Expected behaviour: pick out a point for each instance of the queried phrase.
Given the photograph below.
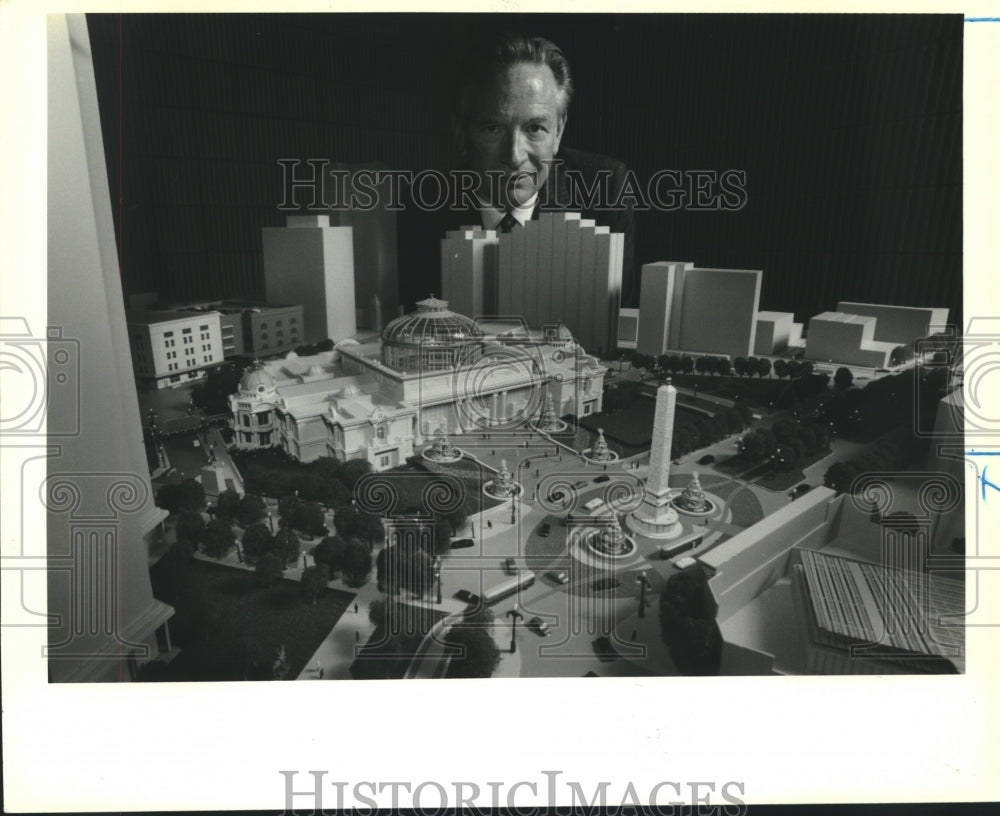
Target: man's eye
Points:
(490, 129)
(535, 129)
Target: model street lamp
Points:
(515, 616)
(643, 585)
(270, 522)
(437, 575)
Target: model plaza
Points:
(574, 537)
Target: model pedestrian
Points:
(489, 524)
(320, 672)
(355, 608)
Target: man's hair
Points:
(490, 58)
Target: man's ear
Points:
(560, 129)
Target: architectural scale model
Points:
(558, 268)
(253, 329)
(171, 347)
(702, 311)
(846, 338)
(309, 262)
(545, 544)
(432, 369)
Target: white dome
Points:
(256, 381)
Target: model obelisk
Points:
(656, 517)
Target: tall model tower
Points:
(655, 517)
(310, 263)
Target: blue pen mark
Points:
(987, 483)
(982, 477)
(982, 19)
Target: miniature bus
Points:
(509, 587)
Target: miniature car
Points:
(683, 562)
(510, 566)
(707, 459)
(467, 597)
(544, 530)
(602, 584)
(604, 650)
(581, 483)
(461, 543)
(559, 577)
(540, 626)
(602, 478)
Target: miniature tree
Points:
(219, 538)
(377, 612)
(269, 569)
(257, 542)
(843, 378)
(251, 510)
(356, 563)
(286, 545)
(688, 625)
(191, 495)
(353, 470)
(314, 580)
(168, 498)
(228, 505)
(212, 393)
(347, 521)
(330, 553)
(288, 506)
(734, 422)
(763, 367)
(840, 475)
(478, 654)
(190, 530)
(442, 536)
(309, 518)
(784, 457)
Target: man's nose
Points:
(515, 149)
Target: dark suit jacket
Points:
(419, 233)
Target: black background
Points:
(849, 128)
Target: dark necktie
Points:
(507, 222)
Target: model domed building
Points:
(433, 338)
(432, 372)
(252, 408)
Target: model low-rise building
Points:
(432, 369)
(170, 348)
(847, 339)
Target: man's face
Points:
(514, 133)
